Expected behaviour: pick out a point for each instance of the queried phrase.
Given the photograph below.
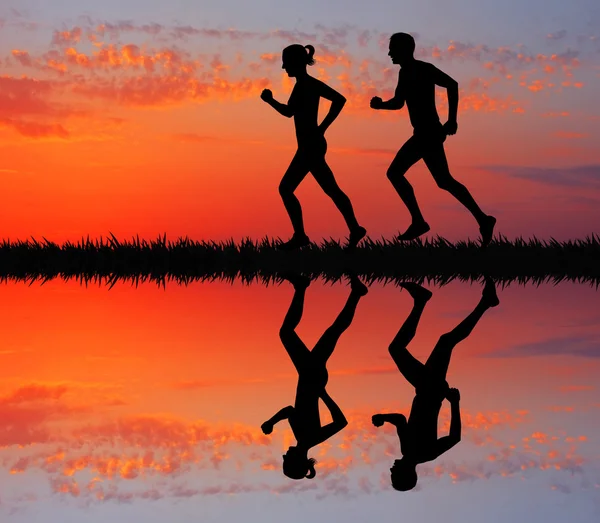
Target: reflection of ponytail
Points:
(309, 59)
(311, 462)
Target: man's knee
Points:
(447, 340)
(396, 172)
(446, 182)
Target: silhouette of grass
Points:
(109, 260)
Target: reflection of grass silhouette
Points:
(183, 260)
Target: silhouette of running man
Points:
(416, 88)
(304, 417)
(418, 436)
(303, 105)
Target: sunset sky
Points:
(145, 404)
(144, 117)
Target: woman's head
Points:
(404, 475)
(296, 465)
(296, 57)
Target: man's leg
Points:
(435, 159)
(407, 156)
(439, 360)
(411, 368)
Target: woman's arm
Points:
(282, 109)
(284, 413)
(337, 104)
(338, 422)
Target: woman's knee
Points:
(285, 333)
(285, 191)
(396, 348)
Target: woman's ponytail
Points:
(310, 57)
(311, 462)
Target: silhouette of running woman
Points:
(304, 417)
(303, 105)
(416, 88)
(418, 436)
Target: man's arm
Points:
(398, 420)
(393, 104)
(284, 413)
(443, 80)
(446, 443)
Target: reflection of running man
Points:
(418, 436)
(416, 87)
(304, 417)
(303, 105)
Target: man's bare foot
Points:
(355, 236)
(489, 293)
(297, 241)
(414, 230)
(486, 228)
(418, 292)
(357, 286)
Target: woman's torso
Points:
(304, 100)
(305, 420)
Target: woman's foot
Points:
(418, 292)
(357, 286)
(297, 280)
(297, 241)
(414, 230)
(489, 293)
(355, 236)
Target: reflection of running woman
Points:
(312, 377)
(418, 436)
(303, 105)
(416, 87)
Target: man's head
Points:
(404, 475)
(402, 48)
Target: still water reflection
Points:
(149, 404)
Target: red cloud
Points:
(61, 38)
(22, 57)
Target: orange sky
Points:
(176, 380)
(126, 131)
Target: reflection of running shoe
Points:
(487, 230)
(415, 230)
(357, 286)
(489, 293)
(418, 292)
(297, 241)
(355, 236)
